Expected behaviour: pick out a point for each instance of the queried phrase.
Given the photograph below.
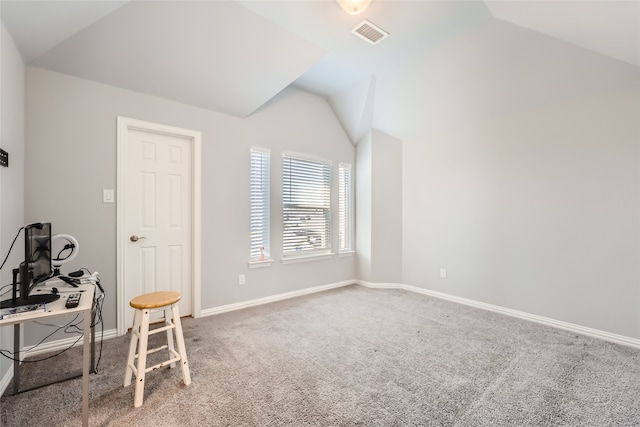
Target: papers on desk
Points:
(7, 313)
(76, 281)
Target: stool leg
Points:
(135, 331)
(142, 358)
(168, 321)
(186, 376)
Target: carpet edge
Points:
(571, 327)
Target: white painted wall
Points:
(354, 108)
(71, 137)
(520, 175)
(379, 208)
(524, 179)
(386, 208)
(363, 186)
(11, 178)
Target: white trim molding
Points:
(64, 343)
(292, 259)
(260, 264)
(273, 298)
(595, 333)
(6, 380)
(125, 124)
(583, 330)
(53, 346)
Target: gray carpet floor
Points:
(355, 356)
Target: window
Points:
(306, 197)
(345, 208)
(260, 164)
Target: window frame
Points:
(315, 173)
(345, 209)
(260, 207)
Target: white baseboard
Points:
(273, 298)
(6, 379)
(595, 333)
(58, 345)
(607, 336)
(61, 344)
(52, 346)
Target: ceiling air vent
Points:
(370, 32)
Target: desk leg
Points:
(86, 357)
(16, 358)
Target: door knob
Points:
(135, 238)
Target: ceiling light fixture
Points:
(354, 7)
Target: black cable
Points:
(98, 313)
(6, 352)
(5, 286)
(67, 329)
(7, 291)
(11, 247)
(66, 247)
(2, 352)
(95, 320)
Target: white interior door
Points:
(157, 226)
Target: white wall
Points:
(520, 175)
(386, 208)
(71, 140)
(11, 178)
(524, 179)
(379, 208)
(364, 192)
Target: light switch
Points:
(107, 196)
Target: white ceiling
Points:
(37, 26)
(608, 27)
(233, 56)
(213, 54)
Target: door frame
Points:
(124, 125)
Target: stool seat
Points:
(144, 305)
(155, 299)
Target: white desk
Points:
(57, 308)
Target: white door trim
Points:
(124, 126)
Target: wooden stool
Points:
(144, 305)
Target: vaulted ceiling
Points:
(233, 56)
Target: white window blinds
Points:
(260, 164)
(345, 208)
(306, 196)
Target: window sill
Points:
(346, 253)
(306, 258)
(260, 264)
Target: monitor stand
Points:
(31, 299)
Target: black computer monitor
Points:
(37, 251)
(35, 268)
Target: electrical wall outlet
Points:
(242, 280)
(443, 273)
